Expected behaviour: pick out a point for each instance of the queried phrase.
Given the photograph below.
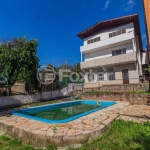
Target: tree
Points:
(18, 60)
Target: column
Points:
(81, 57)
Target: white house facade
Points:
(111, 52)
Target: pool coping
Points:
(16, 112)
(75, 132)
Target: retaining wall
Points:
(138, 99)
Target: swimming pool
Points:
(62, 112)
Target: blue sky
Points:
(55, 23)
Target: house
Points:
(144, 61)
(18, 88)
(111, 51)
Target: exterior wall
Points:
(109, 61)
(132, 70)
(144, 58)
(110, 42)
(18, 100)
(104, 34)
(107, 52)
(18, 87)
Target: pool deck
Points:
(75, 132)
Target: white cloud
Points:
(107, 3)
(129, 6)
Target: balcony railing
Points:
(119, 59)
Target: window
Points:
(123, 31)
(91, 75)
(117, 33)
(110, 74)
(16, 87)
(89, 41)
(110, 35)
(100, 75)
(98, 38)
(114, 33)
(119, 52)
(93, 40)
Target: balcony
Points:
(113, 60)
(113, 41)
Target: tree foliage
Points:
(18, 60)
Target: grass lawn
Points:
(7, 143)
(121, 136)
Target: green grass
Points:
(121, 136)
(116, 92)
(7, 143)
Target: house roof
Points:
(111, 23)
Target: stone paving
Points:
(135, 113)
(75, 132)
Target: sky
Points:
(55, 23)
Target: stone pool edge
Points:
(75, 132)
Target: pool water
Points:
(63, 112)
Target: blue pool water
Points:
(62, 112)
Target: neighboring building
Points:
(18, 88)
(111, 51)
(144, 61)
(146, 4)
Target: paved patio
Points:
(74, 132)
(135, 113)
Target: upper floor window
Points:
(119, 52)
(117, 33)
(93, 40)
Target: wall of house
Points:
(107, 52)
(132, 70)
(144, 58)
(104, 34)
